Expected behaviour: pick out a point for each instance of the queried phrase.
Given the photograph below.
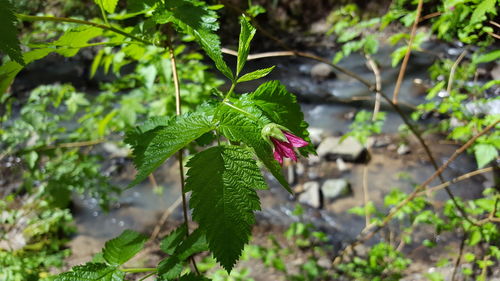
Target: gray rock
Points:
(403, 149)
(313, 160)
(341, 165)
(300, 169)
(335, 188)
(349, 149)
(495, 72)
(311, 194)
(321, 71)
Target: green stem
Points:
(103, 12)
(83, 22)
(242, 111)
(139, 270)
(145, 277)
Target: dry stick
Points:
(402, 71)
(365, 82)
(365, 194)
(459, 258)
(164, 217)
(179, 154)
(453, 70)
(366, 234)
(455, 180)
(378, 85)
(429, 16)
(75, 144)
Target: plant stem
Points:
(83, 22)
(404, 64)
(139, 270)
(149, 275)
(103, 12)
(178, 111)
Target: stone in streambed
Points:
(349, 149)
(311, 195)
(335, 188)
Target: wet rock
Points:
(291, 174)
(491, 107)
(349, 149)
(403, 149)
(335, 188)
(341, 165)
(321, 72)
(495, 72)
(311, 194)
(313, 160)
(114, 150)
(379, 142)
(316, 135)
(300, 169)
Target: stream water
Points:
(140, 207)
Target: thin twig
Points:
(430, 16)
(369, 231)
(164, 218)
(83, 22)
(495, 23)
(402, 71)
(459, 258)
(455, 180)
(178, 111)
(75, 144)
(453, 70)
(365, 194)
(378, 85)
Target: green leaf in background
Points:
(193, 277)
(74, 39)
(108, 5)
(491, 56)
(486, 6)
(246, 34)
(9, 70)
(92, 272)
(281, 107)
(223, 181)
(196, 19)
(239, 127)
(180, 249)
(152, 147)
(173, 239)
(9, 43)
(255, 74)
(485, 153)
(119, 250)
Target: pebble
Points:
(349, 149)
(335, 188)
(311, 194)
(403, 149)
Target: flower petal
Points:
(295, 140)
(287, 150)
(278, 157)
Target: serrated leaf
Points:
(237, 126)
(281, 107)
(9, 43)
(223, 180)
(173, 239)
(92, 272)
(9, 70)
(196, 19)
(193, 277)
(180, 249)
(255, 74)
(246, 35)
(108, 5)
(152, 147)
(485, 153)
(74, 39)
(119, 250)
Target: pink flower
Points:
(284, 149)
